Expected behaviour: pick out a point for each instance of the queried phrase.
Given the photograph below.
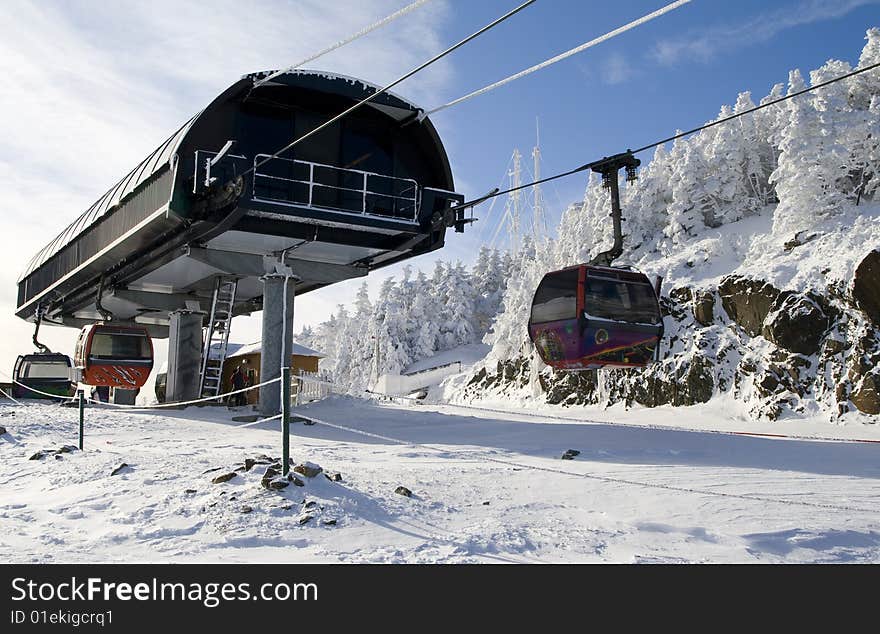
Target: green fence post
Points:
(285, 420)
(82, 408)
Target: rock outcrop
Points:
(776, 350)
(866, 286)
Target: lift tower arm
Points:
(608, 167)
(41, 347)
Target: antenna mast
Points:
(539, 225)
(516, 183)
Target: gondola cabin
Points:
(587, 317)
(48, 372)
(114, 356)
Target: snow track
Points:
(486, 488)
(478, 456)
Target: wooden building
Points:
(248, 355)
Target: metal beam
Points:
(229, 262)
(156, 331)
(252, 265)
(321, 273)
(165, 302)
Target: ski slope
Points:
(487, 487)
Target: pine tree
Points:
(424, 317)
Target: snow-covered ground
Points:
(487, 487)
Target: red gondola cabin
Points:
(114, 356)
(587, 317)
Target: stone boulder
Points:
(866, 286)
(571, 388)
(704, 308)
(866, 394)
(698, 382)
(796, 323)
(747, 301)
(308, 469)
(226, 477)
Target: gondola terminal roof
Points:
(389, 103)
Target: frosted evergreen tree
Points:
(771, 123)
(758, 159)
(458, 328)
(645, 203)
(867, 85)
(691, 203)
(488, 280)
(802, 185)
(424, 316)
(388, 330)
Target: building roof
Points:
(242, 349)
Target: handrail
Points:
(403, 196)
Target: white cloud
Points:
(90, 88)
(705, 44)
(616, 69)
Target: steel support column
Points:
(277, 339)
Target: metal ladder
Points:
(217, 336)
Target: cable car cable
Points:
(364, 31)
(560, 57)
(397, 81)
(759, 107)
(679, 135)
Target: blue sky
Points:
(89, 88)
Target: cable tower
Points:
(539, 220)
(513, 227)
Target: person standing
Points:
(237, 384)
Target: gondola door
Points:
(555, 322)
(622, 324)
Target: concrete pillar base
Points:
(184, 356)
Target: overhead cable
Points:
(382, 91)
(679, 135)
(364, 31)
(562, 56)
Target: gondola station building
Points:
(228, 216)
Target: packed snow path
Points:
(485, 488)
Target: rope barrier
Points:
(592, 476)
(182, 403)
(146, 407)
(257, 422)
(9, 396)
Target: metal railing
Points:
(340, 189)
(306, 387)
